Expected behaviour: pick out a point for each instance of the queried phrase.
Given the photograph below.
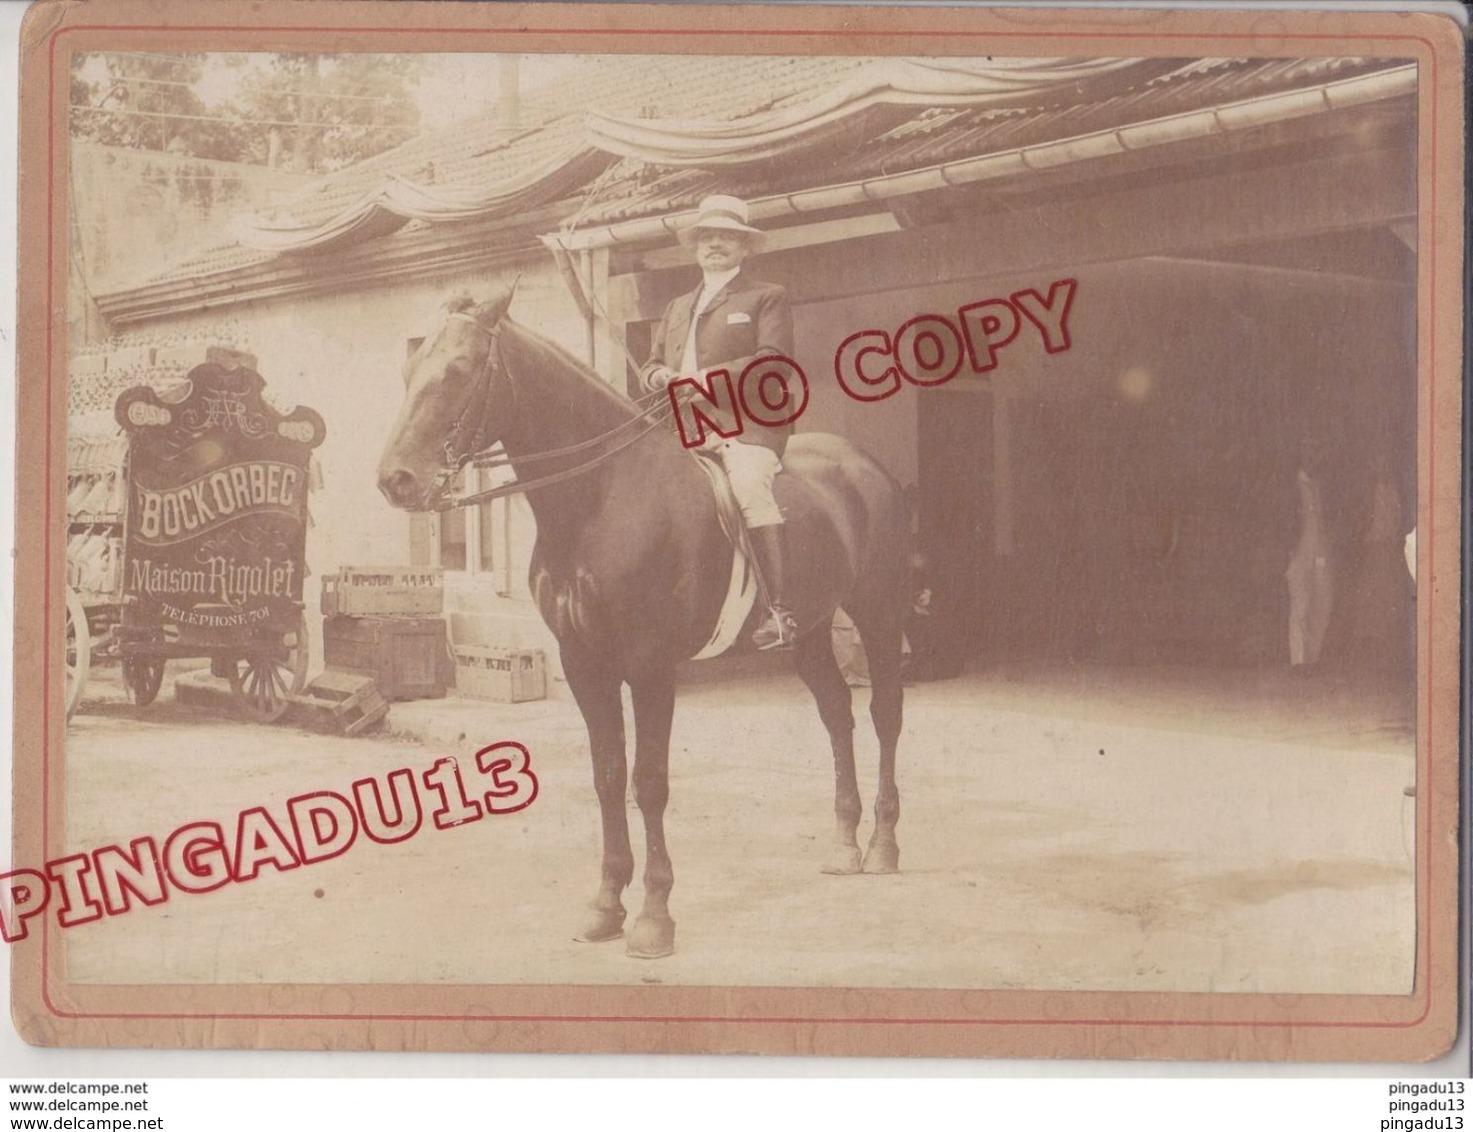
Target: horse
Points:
(631, 566)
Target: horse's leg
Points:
(883, 651)
(814, 657)
(597, 691)
(653, 935)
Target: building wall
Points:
(342, 355)
(132, 207)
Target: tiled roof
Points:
(479, 151)
(936, 135)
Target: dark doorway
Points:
(955, 520)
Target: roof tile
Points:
(480, 151)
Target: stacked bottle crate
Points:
(384, 622)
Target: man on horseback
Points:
(723, 324)
(625, 568)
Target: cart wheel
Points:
(77, 650)
(142, 675)
(261, 684)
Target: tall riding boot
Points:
(779, 628)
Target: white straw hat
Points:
(729, 213)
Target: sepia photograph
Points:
(877, 545)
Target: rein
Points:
(495, 457)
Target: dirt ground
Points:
(1125, 830)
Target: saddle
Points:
(741, 590)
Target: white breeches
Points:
(751, 469)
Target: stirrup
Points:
(779, 630)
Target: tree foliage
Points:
(308, 113)
(147, 101)
(344, 107)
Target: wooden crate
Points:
(507, 676)
(343, 702)
(408, 657)
(376, 591)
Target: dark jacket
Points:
(746, 319)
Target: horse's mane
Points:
(531, 340)
(464, 303)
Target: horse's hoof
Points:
(844, 862)
(882, 859)
(605, 924)
(651, 938)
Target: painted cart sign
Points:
(217, 503)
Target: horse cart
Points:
(186, 539)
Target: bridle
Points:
(458, 454)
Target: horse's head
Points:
(453, 384)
